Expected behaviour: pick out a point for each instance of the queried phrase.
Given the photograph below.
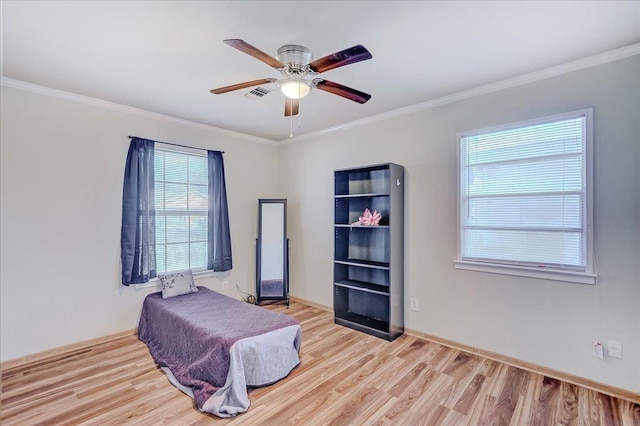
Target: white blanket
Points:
(255, 361)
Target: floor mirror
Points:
(272, 251)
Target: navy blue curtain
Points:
(219, 234)
(138, 234)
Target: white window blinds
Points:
(523, 195)
(181, 192)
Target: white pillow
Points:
(177, 283)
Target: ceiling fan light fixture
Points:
(295, 88)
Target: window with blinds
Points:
(181, 201)
(524, 196)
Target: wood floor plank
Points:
(464, 403)
(407, 379)
(406, 400)
(567, 404)
(467, 371)
(345, 378)
(508, 397)
(589, 407)
(524, 410)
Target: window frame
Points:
(197, 272)
(583, 277)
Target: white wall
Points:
(545, 322)
(62, 170)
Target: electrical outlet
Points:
(615, 349)
(414, 304)
(225, 285)
(597, 350)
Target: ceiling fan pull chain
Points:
(299, 106)
(291, 117)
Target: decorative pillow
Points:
(177, 283)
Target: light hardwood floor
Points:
(345, 378)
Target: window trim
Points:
(589, 275)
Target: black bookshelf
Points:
(368, 260)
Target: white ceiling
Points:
(165, 56)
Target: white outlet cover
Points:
(597, 350)
(414, 304)
(615, 349)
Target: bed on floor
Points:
(212, 346)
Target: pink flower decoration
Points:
(368, 218)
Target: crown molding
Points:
(595, 60)
(61, 94)
(591, 61)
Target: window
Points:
(524, 203)
(174, 212)
(181, 203)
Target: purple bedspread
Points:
(191, 335)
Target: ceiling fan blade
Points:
(340, 90)
(225, 89)
(291, 107)
(245, 47)
(339, 59)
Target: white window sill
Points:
(545, 274)
(155, 282)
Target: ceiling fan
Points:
(294, 63)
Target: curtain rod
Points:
(175, 144)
